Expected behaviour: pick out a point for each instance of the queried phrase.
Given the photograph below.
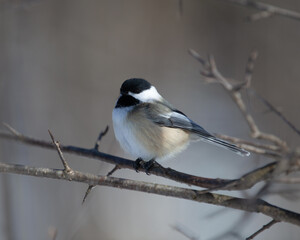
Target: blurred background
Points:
(61, 67)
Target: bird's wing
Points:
(163, 115)
(166, 116)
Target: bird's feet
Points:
(140, 163)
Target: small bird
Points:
(151, 129)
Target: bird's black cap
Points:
(135, 85)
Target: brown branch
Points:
(257, 205)
(268, 9)
(87, 192)
(278, 149)
(101, 135)
(265, 227)
(121, 162)
(96, 148)
(252, 178)
(61, 156)
(11, 129)
(248, 72)
(276, 111)
(113, 170)
(211, 72)
(90, 187)
(248, 180)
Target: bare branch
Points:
(90, 187)
(248, 180)
(101, 135)
(265, 227)
(267, 8)
(276, 111)
(113, 170)
(257, 205)
(96, 148)
(61, 156)
(87, 192)
(248, 73)
(122, 162)
(212, 72)
(255, 176)
(11, 129)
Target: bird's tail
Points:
(226, 145)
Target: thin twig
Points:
(11, 129)
(101, 135)
(265, 227)
(61, 156)
(248, 72)
(258, 205)
(87, 192)
(90, 187)
(113, 170)
(267, 8)
(276, 111)
(96, 148)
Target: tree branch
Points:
(267, 10)
(245, 182)
(258, 205)
(61, 156)
(96, 148)
(212, 74)
(276, 111)
(265, 227)
(122, 162)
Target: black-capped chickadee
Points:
(149, 128)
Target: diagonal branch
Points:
(267, 9)
(96, 148)
(257, 205)
(61, 156)
(276, 111)
(265, 227)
